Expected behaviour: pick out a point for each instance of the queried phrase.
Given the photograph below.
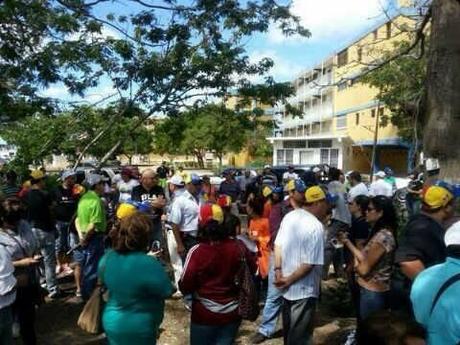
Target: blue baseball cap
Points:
(194, 179)
(297, 185)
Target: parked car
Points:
(300, 170)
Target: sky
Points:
(333, 24)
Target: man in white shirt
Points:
(176, 188)
(7, 296)
(380, 186)
(299, 256)
(125, 185)
(357, 186)
(184, 215)
(289, 175)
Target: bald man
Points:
(150, 191)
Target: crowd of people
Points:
(146, 237)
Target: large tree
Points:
(422, 86)
(158, 55)
(38, 137)
(211, 128)
(442, 139)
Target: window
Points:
(375, 33)
(314, 144)
(380, 112)
(373, 113)
(324, 98)
(329, 156)
(360, 54)
(292, 144)
(334, 158)
(389, 30)
(341, 122)
(284, 157)
(357, 118)
(342, 58)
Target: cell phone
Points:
(156, 246)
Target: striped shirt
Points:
(301, 239)
(10, 191)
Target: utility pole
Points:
(374, 147)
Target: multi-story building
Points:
(340, 113)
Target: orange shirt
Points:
(260, 229)
(267, 209)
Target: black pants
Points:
(24, 308)
(298, 321)
(188, 242)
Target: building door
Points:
(306, 157)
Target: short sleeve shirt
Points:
(185, 211)
(359, 189)
(20, 243)
(380, 274)
(442, 324)
(301, 239)
(141, 194)
(91, 211)
(380, 187)
(423, 239)
(125, 189)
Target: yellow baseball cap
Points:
(314, 194)
(124, 210)
(266, 191)
(437, 197)
(37, 174)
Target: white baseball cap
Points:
(176, 180)
(452, 236)
(380, 174)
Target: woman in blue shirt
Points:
(137, 285)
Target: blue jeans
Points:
(88, 258)
(371, 302)
(6, 323)
(273, 304)
(62, 241)
(213, 335)
(47, 243)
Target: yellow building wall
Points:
(358, 97)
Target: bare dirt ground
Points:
(57, 322)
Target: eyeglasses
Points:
(369, 209)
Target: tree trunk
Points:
(442, 129)
(219, 156)
(199, 157)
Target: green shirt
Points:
(138, 286)
(91, 211)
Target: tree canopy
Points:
(160, 55)
(211, 128)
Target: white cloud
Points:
(283, 69)
(332, 19)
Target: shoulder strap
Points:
(452, 280)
